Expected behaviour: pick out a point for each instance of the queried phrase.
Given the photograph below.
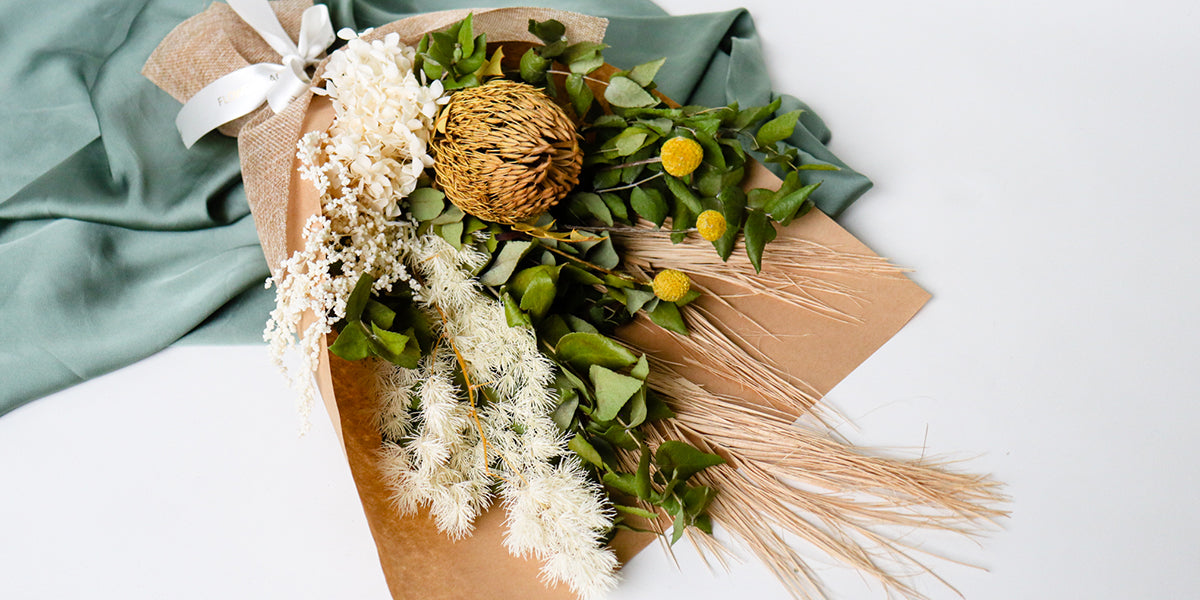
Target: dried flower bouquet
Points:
(538, 258)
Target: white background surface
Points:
(1035, 162)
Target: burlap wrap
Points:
(216, 42)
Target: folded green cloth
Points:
(116, 242)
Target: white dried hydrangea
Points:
(385, 117)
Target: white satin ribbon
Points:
(239, 93)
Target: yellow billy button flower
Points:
(681, 156)
(671, 285)
(711, 225)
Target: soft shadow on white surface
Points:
(182, 476)
(1034, 163)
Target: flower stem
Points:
(632, 185)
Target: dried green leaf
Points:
(644, 73)
(753, 115)
(536, 287)
(777, 129)
(759, 232)
(626, 93)
(680, 460)
(613, 390)
(357, 302)
(784, 208)
(683, 194)
(426, 203)
(586, 451)
(351, 343)
(513, 315)
(533, 67)
(649, 204)
(582, 350)
(666, 315)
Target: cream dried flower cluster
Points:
(446, 456)
(362, 168)
(385, 117)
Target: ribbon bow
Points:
(241, 92)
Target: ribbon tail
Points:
(258, 15)
(316, 32)
(235, 95)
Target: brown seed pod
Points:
(504, 152)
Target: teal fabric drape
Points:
(116, 241)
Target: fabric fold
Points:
(100, 203)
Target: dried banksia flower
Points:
(504, 152)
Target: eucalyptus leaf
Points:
(649, 204)
(683, 194)
(677, 529)
(784, 208)
(513, 315)
(582, 350)
(549, 31)
(755, 114)
(580, 94)
(536, 288)
(626, 93)
(633, 510)
(604, 255)
(588, 204)
(644, 73)
(564, 415)
(712, 150)
(533, 67)
(635, 299)
(777, 129)
(666, 315)
(697, 499)
(426, 203)
(379, 314)
(553, 328)
(616, 205)
(352, 343)
(585, 450)
(759, 233)
(622, 482)
(733, 208)
(357, 302)
(466, 41)
(397, 348)
(630, 140)
(578, 324)
(506, 262)
(452, 233)
(452, 214)
(637, 408)
(759, 197)
(682, 460)
(642, 369)
(578, 275)
(613, 390)
(641, 481)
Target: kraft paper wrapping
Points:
(417, 560)
(420, 562)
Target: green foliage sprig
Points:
(457, 56)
